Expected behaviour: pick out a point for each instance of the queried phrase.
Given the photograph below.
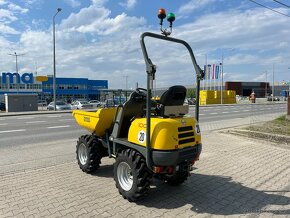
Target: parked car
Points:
(114, 102)
(276, 98)
(81, 105)
(189, 101)
(2, 106)
(41, 103)
(95, 103)
(60, 105)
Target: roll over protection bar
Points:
(151, 69)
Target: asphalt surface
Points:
(30, 129)
(235, 176)
(225, 112)
(35, 128)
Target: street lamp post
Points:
(54, 67)
(222, 74)
(16, 66)
(266, 85)
(222, 77)
(273, 87)
(289, 85)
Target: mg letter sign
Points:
(26, 78)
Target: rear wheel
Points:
(131, 175)
(89, 152)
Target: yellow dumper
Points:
(146, 137)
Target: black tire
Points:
(177, 178)
(137, 182)
(89, 152)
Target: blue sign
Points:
(26, 78)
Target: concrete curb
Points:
(213, 105)
(9, 114)
(261, 135)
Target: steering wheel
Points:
(141, 91)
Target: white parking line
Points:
(25, 118)
(236, 111)
(54, 116)
(66, 119)
(225, 112)
(15, 130)
(3, 124)
(213, 113)
(39, 121)
(56, 127)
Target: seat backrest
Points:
(134, 107)
(174, 96)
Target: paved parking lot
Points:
(235, 177)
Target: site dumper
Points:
(146, 137)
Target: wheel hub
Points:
(83, 154)
(125, 176)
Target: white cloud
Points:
(191, 6)
(94, 43)
(249, 30)
(33, 4)
(259, 78)
(34, 40)
(129, 4)
(97, 20)
(7, 30)
(4, 43)
(84, 50)
(3, 2)
(99, 2)
(30, 2)
(73, 3)
(85, 17)
(17, 8)
(7, 16)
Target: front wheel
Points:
(89, 152)
(131, 175)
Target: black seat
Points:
(174, 96)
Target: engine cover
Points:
(166, 133)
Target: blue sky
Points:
(99, 39)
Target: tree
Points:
(191, 93)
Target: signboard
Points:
(26, 78)
(16, 78)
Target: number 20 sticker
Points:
(141, 136)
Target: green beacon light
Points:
(170, 18)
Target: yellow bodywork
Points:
(96, 122)
(166, 133)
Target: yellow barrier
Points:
(214, 97)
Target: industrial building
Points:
(66, 88)
(261, 89)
